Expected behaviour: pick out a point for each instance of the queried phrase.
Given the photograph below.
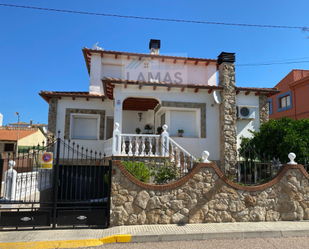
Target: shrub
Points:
(278, 137)
(165, 174)
(138, 169)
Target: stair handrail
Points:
(182, 149)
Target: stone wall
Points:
(52, 115)
(264, 112)
(206, 195)
(228, 118)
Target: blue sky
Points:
(41, 50)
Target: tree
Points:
(278, 137)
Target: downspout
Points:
(293, 89)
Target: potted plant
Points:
(138, 130)
(180, 132)
(148, 128)
(159, 130)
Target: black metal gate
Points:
(75, 192)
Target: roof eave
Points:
(161, 84)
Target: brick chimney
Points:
(154, 46)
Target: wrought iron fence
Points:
(254, 168)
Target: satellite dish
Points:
(217, 97)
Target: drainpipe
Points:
(294, 98)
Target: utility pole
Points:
(16, 153)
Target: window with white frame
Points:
(183, 120)
(284, 101)
(84, 126)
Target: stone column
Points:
(264, 112)
(52, 115)
(228, 117)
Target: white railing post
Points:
(292, 157)
(116, 140)
(165, 141)
(10, 182)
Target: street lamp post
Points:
(16, 153)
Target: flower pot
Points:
(179, 134)
(147, 131)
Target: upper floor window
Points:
(270, 106)
(284, 101)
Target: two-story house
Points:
(201, 110)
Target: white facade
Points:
(1, 119)
(244, 125)
(157, 70)
(180, 116)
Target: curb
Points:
(52, 244)
(119, 238)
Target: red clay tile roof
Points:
(120, 81)
(257, 89)
(152, 83)
(21, 123)
(9, 134)
(89, 51)
(295, 82)
(47, 95)
(107, 81)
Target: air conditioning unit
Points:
(246, 112)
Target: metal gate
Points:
(73, 192)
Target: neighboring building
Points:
(27, 137)
(293, 100)
(20, 124)
(134, 89)
(1, 119)
(31, 124)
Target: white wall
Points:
(193, 145)
(246, 124)
(165, 71)
(81, 103)
(1, 119)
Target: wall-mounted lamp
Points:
(140, 114)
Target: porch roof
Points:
(47, 95)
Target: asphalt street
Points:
(252, 243)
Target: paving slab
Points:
(148, 233)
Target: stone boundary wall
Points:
(206, 195)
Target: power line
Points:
(156, 18)
(265, 64)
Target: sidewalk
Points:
(147, 233)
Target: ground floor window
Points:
(8, 147)
(85, 126)
(185, 121)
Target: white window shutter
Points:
(183, 120)
(113, 71)
(85, 128)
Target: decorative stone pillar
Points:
(264, 112)
(228, 114)
(52, 115)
